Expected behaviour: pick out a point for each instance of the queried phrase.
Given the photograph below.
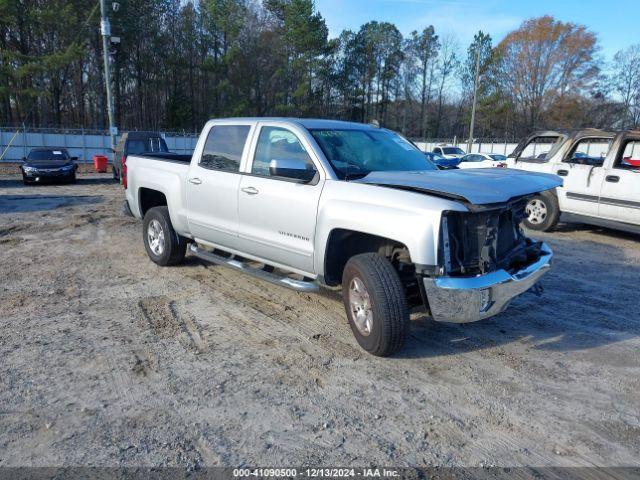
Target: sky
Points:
(616, 22)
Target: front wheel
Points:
(164, 246)
(543, 212)
(375, 302)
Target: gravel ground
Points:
(109, 360)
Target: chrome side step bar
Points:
(298, 285)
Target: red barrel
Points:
(100, 163)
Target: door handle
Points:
(195, 181)
(612, 178)
(563, 173)
(250, 190)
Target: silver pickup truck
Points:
(304, 203)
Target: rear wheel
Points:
(543, 212)
(375, 303)
(164, 246)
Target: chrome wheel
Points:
(536, 211)
(155, 237)
(360, 305)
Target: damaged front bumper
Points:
(468, 299)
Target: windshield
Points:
(356, 153)
(452, 151)
(497, 157)
(48, 155)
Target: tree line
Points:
(180, 63)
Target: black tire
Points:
(388, 305)
(174, 247)
(545, 212)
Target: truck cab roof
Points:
(308, 123)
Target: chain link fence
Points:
(15, 143)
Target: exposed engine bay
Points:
(485, 240)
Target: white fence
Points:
(481, 146)
(16, 143)
(84, 144)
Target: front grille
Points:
(480, 242)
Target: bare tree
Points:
(423, 50)
(447, 64)
(625, 78)
(543, 60)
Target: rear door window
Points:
(224, 146)
(589, 151)
(629, 159)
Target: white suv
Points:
(447, 151)
(600, 172)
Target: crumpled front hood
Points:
(479, 186)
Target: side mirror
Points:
(74, 158)
(24, 159)
(292, 168)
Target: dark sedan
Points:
(48, 164)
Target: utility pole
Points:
(475, 93)
(105, 31)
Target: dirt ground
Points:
(109, 360)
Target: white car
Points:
(448, 151)
(483, 160)
(600, 172)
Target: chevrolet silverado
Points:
(307, 203)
